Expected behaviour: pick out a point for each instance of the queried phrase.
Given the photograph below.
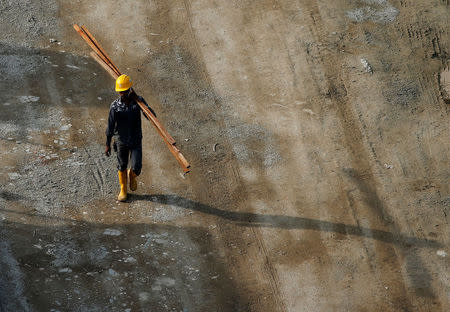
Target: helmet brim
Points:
(122, 89)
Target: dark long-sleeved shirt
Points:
(124, 123)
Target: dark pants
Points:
(124, 153)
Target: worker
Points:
(124, 125)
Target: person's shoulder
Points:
(115, 103)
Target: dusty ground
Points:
(328, 189)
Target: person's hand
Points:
(108, 150)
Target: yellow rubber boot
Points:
(133, 182)
(123, 186)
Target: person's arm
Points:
(110, 131)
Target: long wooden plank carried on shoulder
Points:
(90, 43)
(178, 156)
(104, 65)
(88, 33)
(156, 123)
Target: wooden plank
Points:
(88, 33)
(104, 65)
(182, 160)
(98, 50)
(173, 149)
(90, 43)
(178, 156)
(156, 122)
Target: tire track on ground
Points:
(94, 172)
(416, 276)
(269, 271)
(361, 160)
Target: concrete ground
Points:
(317, 134)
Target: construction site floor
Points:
(318, 136)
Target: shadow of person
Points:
(249, 219)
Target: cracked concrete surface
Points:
(316, 184)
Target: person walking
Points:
(124, 126)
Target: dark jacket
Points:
(124, 123)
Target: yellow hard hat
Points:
(123, 83)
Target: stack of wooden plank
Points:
(105, 61)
